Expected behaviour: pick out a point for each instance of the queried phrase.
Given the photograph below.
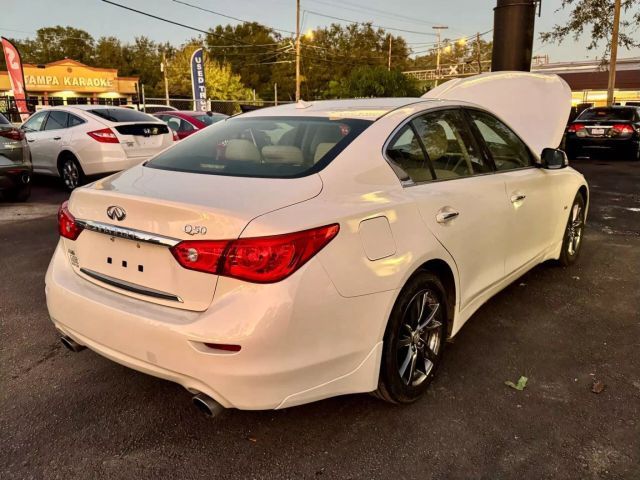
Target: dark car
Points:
(186, 122)
(15, 162)
(605, 129)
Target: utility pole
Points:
(389, 66)
(163, 67)
(275, 94)
(297, 50)
(614, 53)
(479, 54)
(438, 28)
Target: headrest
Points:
(282, 154)
(321, 150)
(242, 150)
(435, 140)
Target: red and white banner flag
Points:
(16, 77)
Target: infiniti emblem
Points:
(114, 212)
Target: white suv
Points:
(78, 141)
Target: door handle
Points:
(444, 216)
(57, 138)
(517, 197)
(30, 140)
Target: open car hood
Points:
(535, 105)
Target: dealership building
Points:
(589, 79)
(67, 82)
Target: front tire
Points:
(573, 233)
(71, 173)
(414, 340)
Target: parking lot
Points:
(67, 415)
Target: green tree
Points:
(376, 82)
(452, 51)
(55, 43)
(597, 16)
(222, 83)
(253, 50)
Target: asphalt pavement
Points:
(66, 415)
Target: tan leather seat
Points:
(282, 154)
(321, 150)
(242, 150)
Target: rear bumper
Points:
(13, 176)
(301, 341)
(574, 143)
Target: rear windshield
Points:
(122, 115)
(3, 120)
(272, 147)
(607, 114)
(209, 119)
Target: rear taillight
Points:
(257, 260)
(67, 226)
(622, 129)
(105, 135)
(575, 127)
(13, 134)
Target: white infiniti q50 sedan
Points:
(305, 251)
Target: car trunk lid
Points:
(143, 139)
(132, 218)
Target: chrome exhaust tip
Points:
(71, 344)
(25, 178)
(207, 405)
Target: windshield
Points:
(209, 119)
(607, 114)
(272, 147)
(122, 115)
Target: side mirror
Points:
(553, 159)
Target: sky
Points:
(21, 18)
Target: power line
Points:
(365, 23)
(229, 16)
(246, 44)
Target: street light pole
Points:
(614, 53)
(297, 50)
(166, 81)
(438, 28)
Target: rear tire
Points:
(71, 172)
(573, 233)
(414, 340)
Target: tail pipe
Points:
(207, 405)
(71, 344)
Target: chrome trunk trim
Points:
(130, 287)
(128, 233)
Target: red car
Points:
(186, 122)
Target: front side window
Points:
(449, 145)
(34, 123)
(272, 147)
(507, 150)
(56, 120)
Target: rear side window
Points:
(75, 121)
(608, 114)
(121, 115)
(272, 147)
(34, 123)
(3, 120)
(56, 120)
(209, 119)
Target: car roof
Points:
(189, 113)
(365, 108)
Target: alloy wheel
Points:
(70, 174)
(574, 229)
(420, 338)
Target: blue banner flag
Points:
(199, 86)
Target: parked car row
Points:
(81, 141)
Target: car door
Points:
(531, 192)
(458, 196)
(32, 129)
(52, 139)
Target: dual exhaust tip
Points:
(204, 403)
